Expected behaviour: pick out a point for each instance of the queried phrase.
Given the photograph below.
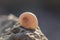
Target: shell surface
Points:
(28, 20)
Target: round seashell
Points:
(28, 20)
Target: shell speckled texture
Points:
(28, 20)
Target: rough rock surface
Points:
(19, 33)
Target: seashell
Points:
(28, 20)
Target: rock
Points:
(17, 32)
(27, 34)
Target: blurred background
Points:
(47, 12)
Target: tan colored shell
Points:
(28, 20)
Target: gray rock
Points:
(19, 33)
(26, 34)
